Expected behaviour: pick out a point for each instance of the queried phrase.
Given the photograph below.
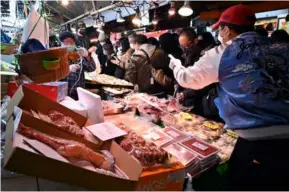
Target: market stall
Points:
(108, 136)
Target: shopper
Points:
(76, 75)
(191, 51)
(170, 45)
(253, 89)
(131, 39)
(110, 68)
(280, 36)
(153, 41)
(201, 100)
(261, 31)
(124, 53)
(148, 68)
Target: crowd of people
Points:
(241, 79)
(145, 63)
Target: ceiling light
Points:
(186, 9)
(155, 20)
(64, 2)
(172, 10)
(119, 19)
(136, 20)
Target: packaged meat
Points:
(116, 90)
(202, 148)
(70, 149)
(156, 136)
(175, 134)
(183, 155)
(147, 153)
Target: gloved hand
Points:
(180, 96)
(82, 52)
(174, 62)
(74, 67)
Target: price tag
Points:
(106, 131)
(232, 134)
(173, 133)
(200, 146)
(211, 125)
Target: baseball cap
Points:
(237, 15)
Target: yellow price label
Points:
(211, 125)
(186, 116)
(232, 134)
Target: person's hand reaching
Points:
(174, 62)
(82, 52)
(74, 67)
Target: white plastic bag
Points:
(97, 63)
(40, 32)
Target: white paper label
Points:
(173, 133)
(200, 146)
(106, 131)
(154, 136)
(152, 81)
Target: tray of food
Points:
(181, 154)
(146, 152)
(175, 134)
(107, 80)
(117, 90)
(203, 149)
(156, 136)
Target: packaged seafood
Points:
(175, 134)
(203, 149)
(183, 155)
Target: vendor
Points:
(252, 73)
(86, 64)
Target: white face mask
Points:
(131, 46)
(220, 38)
(70, 48)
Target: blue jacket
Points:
(254, 82)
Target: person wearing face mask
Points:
(188, 40)
(252, 72)
(75, 77)
(124, 53)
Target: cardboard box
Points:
(27, 99)
(55, 91)
(21, 158)
(163, 179)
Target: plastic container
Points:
(203, 149)
(177, 135)
(157, 137)
(183, 155)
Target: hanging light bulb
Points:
(119, 19)
(186, 9)
(64, 2)
(136, 20)
(155, 20)
(172, 10)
